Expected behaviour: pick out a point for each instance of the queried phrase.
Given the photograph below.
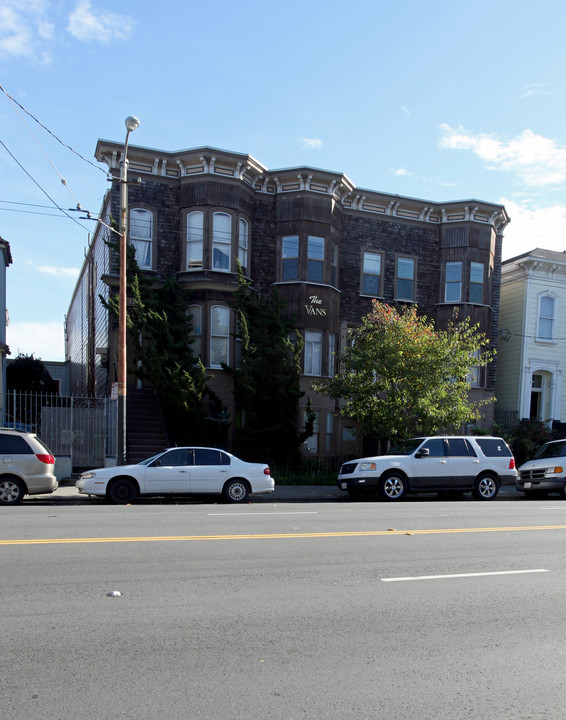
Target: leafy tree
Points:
(160, 327)
(26, 373)
(267, 380)
(400, 376)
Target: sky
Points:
(434, 99)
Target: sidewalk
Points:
(283, 493)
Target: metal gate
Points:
(82, 428)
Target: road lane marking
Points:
(463, 575)
(273, 512)
(276, 536)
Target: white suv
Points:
(26, 466)
(444, 464)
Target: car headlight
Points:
(364, 467)
(87, 476)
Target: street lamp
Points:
(131, 124)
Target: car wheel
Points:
(486, 487)
(392, 486)
(236, 491)
(563, 492)
(12, 491)
(122, 491)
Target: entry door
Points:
(170, 474)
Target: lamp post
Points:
(131, 124)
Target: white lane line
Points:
(273, 512)
(462, 575)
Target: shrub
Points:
(527, 437)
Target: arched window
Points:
(546, 318)
(221, 241)
(219, 335)
(141, 236)
(195, 313)
(243, 244)
(195, 240)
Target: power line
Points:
(51, 133)
(39, 186)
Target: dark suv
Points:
(26, 466)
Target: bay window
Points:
(195, 240)
(221, 241)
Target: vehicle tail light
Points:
(47, 459)
(512, 465)
(267, 471)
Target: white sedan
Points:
(180, 471)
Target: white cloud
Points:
(311, 144)
(399, 172)
(25, 29)
(87, 23)
(72, 273)
(533, 227)
(537, 160)
(534, 89)
(45, 340)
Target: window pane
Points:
(290, 257)
(476, 282)
(195, 236)
(313, 352)
(453, 289)
(195, 313)
(221, 241)
(371, 273)
(243, 243)
(141, 235)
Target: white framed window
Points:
(313, 352)
(331, 354)
(453, 282)
(476, 282)
(243, 241)
(334, 266)
(219, 335)
(371, 274)
(195, 313)
(195, 240)
(329, 432)
(311, 443)
(405, 279)
(290, 257)
(546, 318)
(221, 241)
(141, 236)
(315, 258)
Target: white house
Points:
(531, 356)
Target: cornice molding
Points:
(207, 161)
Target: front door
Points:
(432, 469)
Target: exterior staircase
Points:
(145, 429)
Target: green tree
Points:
(26, 373)
(267, 380)
(400, 376)
(160, 329)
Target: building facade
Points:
(532, 350)
(328, 246)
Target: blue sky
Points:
(437, 100)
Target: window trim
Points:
(311, 344)
(217, 241)
(539, 338)
(451, 283)
(151, 241)
(475, 284)
(413, 260)
(200, 267)
(213, 336)
(379, 276)
(286, 258)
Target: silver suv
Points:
(26, 466)
(546, 471)
(445, 464)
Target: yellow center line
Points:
(276, 536)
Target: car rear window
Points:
(494, 447)
(14, 445)
(208, 456)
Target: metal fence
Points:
(82, 428)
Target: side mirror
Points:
(424, 452)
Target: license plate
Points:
(527, 485)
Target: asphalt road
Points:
(283, 610)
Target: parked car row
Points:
(448, 465)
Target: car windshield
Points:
(405, 447)
(551, 450)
